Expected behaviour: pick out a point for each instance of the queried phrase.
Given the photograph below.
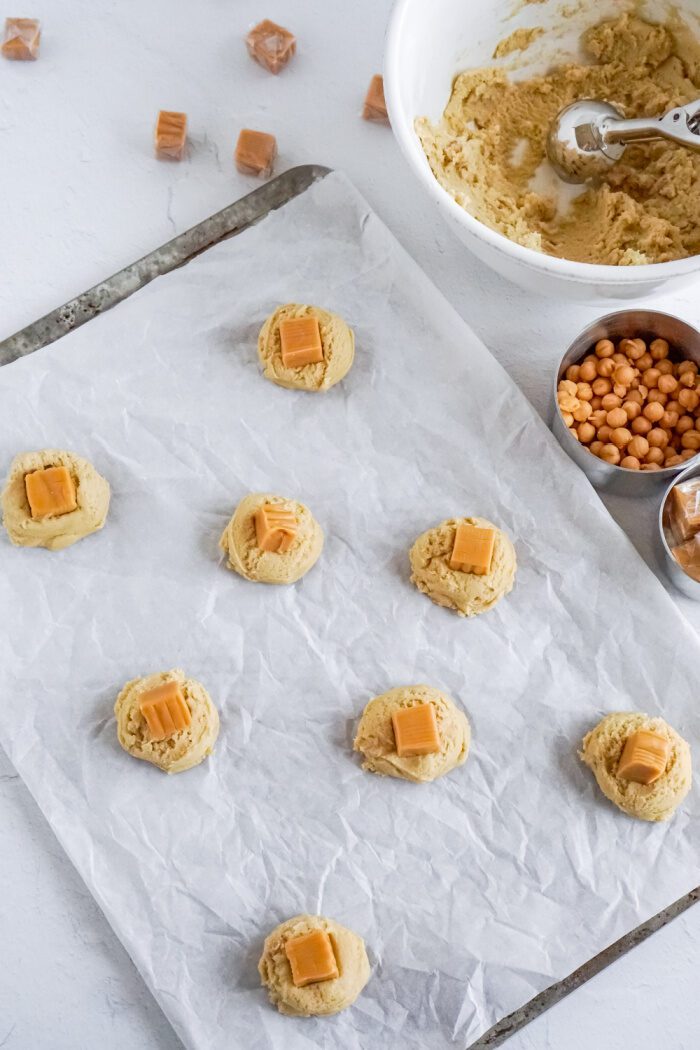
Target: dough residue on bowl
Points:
(489, 150)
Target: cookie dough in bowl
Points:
(52, 499)
(260, 550)
(167, 719)
(319, 330)
(376, 738)
(641, 764)
(467, 593)
(327, 995)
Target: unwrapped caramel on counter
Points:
(473, 549)
(171, 135)
(50, 492)
(255, 152)
(22, 38)
(275, 528)
(688, 557)
(165, 710)
(685, 510)
(271, 45)
(375, 104)
(300, 338)
(416, 730)
(311, 958)
(644, 757)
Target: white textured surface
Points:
(82, 197)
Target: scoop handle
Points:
(681, 125)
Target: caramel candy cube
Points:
(275, 528)
(644, 757)
(688, 557)
(255, 153)
(301, 342)
(416, 730)
(685, 510)
(311, 958)
(375, 105)
(22, 37)
(473, 549)
(50, 492)
(271, 45)
(165, 710)
(171, 135)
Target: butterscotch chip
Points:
(415, 730)
(271, 45)
(275, 528)
(311, 958)
(473, 549)
(375, 103)
(22, 39)
(170, 135)
(255, 152)
(50, 492)
(644, 757)
(165, 710)
(300, 339)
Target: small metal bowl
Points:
(648, 325)
(678, 577)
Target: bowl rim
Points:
(564, 269)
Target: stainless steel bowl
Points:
(647, 324)
(679, 578)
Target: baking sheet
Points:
(473, 893)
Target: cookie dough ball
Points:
(183, 749)
(239, 541)
(338, 343)
(322, 997)
(464, 592)
(601, 751)
(375, 735)
(54, 531)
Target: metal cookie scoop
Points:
(589, 136)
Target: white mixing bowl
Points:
(428, 43)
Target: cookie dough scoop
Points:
(589, 136)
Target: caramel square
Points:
(271, 45)
(255, 152)
(311, 958)
(644, 757)
(275, 528)
(171, 135)
(375, 104)
(416, 730)
(165, 710)
(50, 492)
(688, 557)
(22, 39)
(473, 549)
(301, 342)
(685, 510)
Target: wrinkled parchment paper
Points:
(473, 893)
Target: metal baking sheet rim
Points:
(229, 222)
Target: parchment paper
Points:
(473, 893)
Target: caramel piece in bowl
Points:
(473, 549)
(22, 38)
(416, 730)
(271, 45)
(50, 492)
(644, 757)
(255, 152)
(311, 958)
(165, 710)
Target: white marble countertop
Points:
(82, 196)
